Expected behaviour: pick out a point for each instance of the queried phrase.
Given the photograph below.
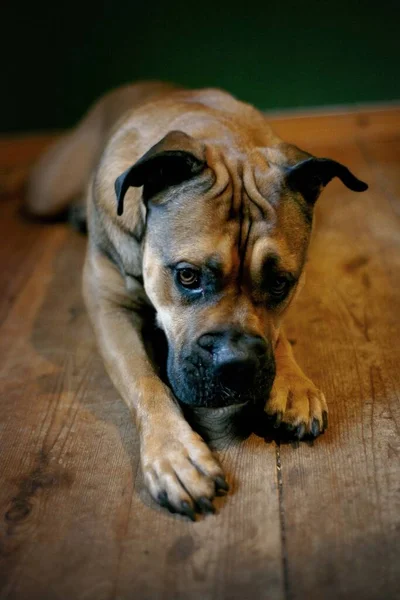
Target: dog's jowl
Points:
(199, 220)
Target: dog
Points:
(199, 219)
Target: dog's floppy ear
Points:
(311, 175)
(176, 158)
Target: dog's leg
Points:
(180, 471)
(295, 403)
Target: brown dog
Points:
(199, 217)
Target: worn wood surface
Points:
(302, 522)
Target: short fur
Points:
(172, 176)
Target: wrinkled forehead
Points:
(232, 223)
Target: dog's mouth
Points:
(197, 386)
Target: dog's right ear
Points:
(176, 158)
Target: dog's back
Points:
(61, 175)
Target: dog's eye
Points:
(189, 278)
(279, 287)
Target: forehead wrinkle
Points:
(243, 238)
(265, 208)
(221, 172)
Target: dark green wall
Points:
(58, 56)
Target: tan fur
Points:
(244, 157)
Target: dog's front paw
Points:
(297, 407)
(181, 472)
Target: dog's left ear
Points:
(311, 175)
(175, 159)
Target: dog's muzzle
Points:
(224, 368)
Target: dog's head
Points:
(224, 250)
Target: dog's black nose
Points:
(235, 356)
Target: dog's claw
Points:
(325, 419)
(300, 431)
(163, 501)
(278, 419)
(289, 427)
(162, 498)
(205, 505)
(221, 484)
(187, 510)
(315, 428)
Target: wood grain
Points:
(341, 497)
(77, 522)
(305, 522)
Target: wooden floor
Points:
(317, 521)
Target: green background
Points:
(59, 56)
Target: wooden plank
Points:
(19, 150)
(234, 554)
(77, 521)
(340, 498)
(338, 128)
(17, 154)
(22, 243)
(383, 158)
